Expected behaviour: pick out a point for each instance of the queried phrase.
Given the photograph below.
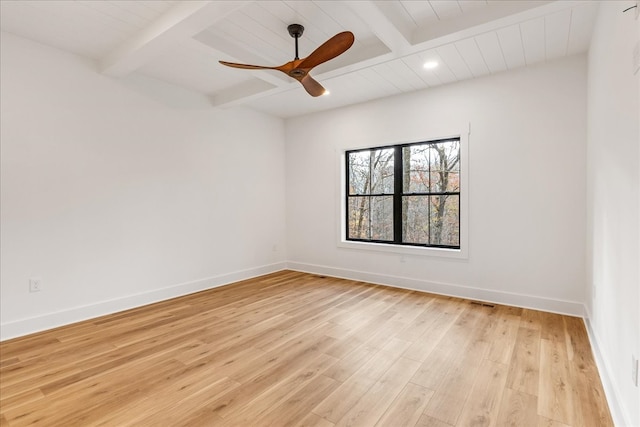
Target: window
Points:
(407, 194)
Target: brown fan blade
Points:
(246, 66)
(333, 47)
(312, 86)
(299, 68)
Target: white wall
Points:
(613, 183)
(115, 200)
(527, 192)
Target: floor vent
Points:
(484, 304)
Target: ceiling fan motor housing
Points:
(297, 72)
(295, 30)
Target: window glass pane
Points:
(415, 223)
(382, 218)
(359, 176)
(415, 168)
(358, 217)
(443, 181)
(444, 226)
(382, 171)
(444, 160)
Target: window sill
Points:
(405, 250)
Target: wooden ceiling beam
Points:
(182, 21)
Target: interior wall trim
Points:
(570, 308)
(77, 314)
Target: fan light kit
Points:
(299, 68)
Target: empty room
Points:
(320, 213)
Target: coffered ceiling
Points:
(170, 49)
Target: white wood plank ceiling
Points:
(85, 27)
(176, 44)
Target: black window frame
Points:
(398, 194)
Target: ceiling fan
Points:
(299, 68)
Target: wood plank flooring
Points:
(294, 349)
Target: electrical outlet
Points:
(35, 284)
(634, 370)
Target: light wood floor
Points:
(298, 349)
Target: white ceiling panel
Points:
(179, 43)
(398, 15)
(118, 11)
(310, 12)
(556, 27)
(491, 50)
(345, 17)
(533, 40)
(583, 17)
(407, 74)
(92, 13)
(345, 88)
(452, 58)
(511, 44)
(377, 81)
(194, 66)
(472, 56)
(415, 62)
(420, 12)
(446, 9)
(159, 6)
(260, 40)
(263, 24)
(391, 76)
(442, 71)
(290, 13)
(87, 28)
(472, 6)
(51, 23)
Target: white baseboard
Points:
(52, 320)
(619, 415)
(517, 300)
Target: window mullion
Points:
(370, 192)
(397, 194)
(429, 199)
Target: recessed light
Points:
(430, 65)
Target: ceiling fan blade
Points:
(246, 66)
(312, 86)
(333, 47)
(299, 68)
